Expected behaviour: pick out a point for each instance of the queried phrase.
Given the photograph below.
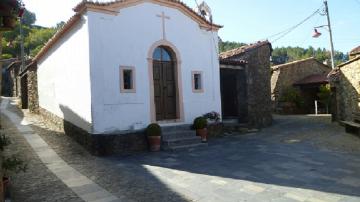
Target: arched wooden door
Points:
(164, 84)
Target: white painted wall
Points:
(64, 78)
(125, 39)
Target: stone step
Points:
(179, 137)
(181, 141)
(166, 129)
(184, 147)
(178, 134)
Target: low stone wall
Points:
(33, 98)
(99, 144)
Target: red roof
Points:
(313, 79)
(355, 51)
(243, 49)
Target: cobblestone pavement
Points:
(300, 158)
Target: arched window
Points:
(162, 54)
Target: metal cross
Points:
(163, 17)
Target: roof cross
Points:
(163, 18)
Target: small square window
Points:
(127, 79)
(197, 82)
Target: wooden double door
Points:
(165, 90)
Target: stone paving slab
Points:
(275, 164)
(70, 177)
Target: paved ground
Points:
(300, 158)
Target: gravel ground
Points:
(37, 183)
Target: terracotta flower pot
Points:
(202, 133)
(9, 22)
(155, 143)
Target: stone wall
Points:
(98, 144)
(33, 98)
(284, 76)
(258, 84)
(348, 90)
(15, 87)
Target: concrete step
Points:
(184, 147)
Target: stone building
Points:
(354, 53)
(13, 71)
(245, 84)
(305, 75)
(28, 88)
(345, 83)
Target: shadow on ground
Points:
(121, 181)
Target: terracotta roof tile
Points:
(242, 49)
(355, 51)
(313, 79)
(85, 3)
(295, 62)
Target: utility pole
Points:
(22, 54)
(332, 53)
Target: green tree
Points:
(325, 96)
(228, 45)
(34, 37)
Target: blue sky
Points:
(253, 20)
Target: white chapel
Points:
(122, 65)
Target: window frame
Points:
(133, 80)
(201, 90)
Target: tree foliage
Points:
(34, 37)
(288, 54)
(229, 45)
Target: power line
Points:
(287, 31)
(296, 26)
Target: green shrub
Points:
(13, 164)
(4, 141)
(200, 123)
(292, 95)
(153, 129)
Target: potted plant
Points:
(212, 117)
(153, 132)
(200, 124)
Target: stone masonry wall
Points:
(99, 144)
(284, 76)
(33, 98)
(259, 89)
(348, 91)
(258, 85)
